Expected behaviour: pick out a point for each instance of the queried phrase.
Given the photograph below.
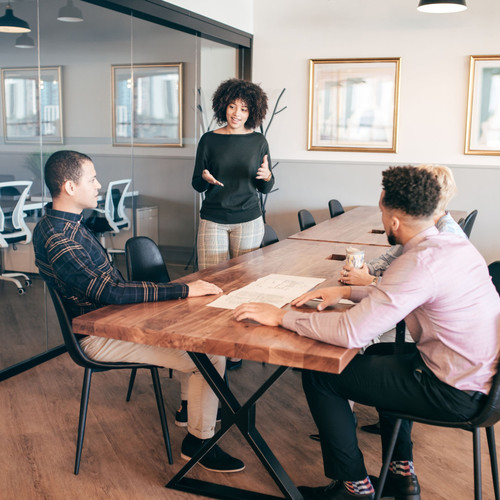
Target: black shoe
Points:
(334, 491)
(181, 415)
(216, 460)
(400, 487)
(371, 429)
(233, 365)
(315, 437)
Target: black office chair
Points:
(144, 263)
(270, 236)
(306, 219)
(80, 358)
(487, 417)
(335, 208)
(467, 223)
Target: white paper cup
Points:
(354, 257)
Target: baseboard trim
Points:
(31, 362)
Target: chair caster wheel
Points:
(21, 291)
(28, 282)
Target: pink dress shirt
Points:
(441, 287)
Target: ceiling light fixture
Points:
(25, 42)
(9, 23)
(441, 6)
(70, 13)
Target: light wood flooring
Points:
(124, 456)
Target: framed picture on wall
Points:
(353, 104)
(32, 105)
(482, 135)
(147, 104)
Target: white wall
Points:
(236, 13)
(435, 52)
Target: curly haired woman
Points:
(232, 164)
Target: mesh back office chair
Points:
(306, 219)
(270, 236)
(112, 218)
(335, 208)
(486, 417)
(144, 263)
(80, 358)
(468, 223)
(13, 228)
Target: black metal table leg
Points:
(243, 416)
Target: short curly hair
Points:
(250, 93)
(412, 190)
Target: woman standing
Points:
(232, 164)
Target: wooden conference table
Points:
(360, 226)
(189, 325)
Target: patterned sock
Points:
(363, 487)
(402, 467)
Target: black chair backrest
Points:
(494, 269)
(306, 219)
(270, 236)
(71, 341)
(335, 208)
(144, 260)
(490, 414)
(467, 223)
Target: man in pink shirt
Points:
(441, 287)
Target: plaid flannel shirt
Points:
(71, 259)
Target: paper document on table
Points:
(275, 289)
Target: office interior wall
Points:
(236, 13)
(434, 49)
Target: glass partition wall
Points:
(131, 91)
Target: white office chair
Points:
(115, 219)
(13, 228)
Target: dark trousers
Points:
(384, 380)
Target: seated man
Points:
(440, 285)
(371, 271)
(72, 260)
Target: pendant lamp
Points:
(70, 13)
(25, 42)
(9, 23)
(441, 6)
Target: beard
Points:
(391, 238)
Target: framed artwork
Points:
(353, 104)
(147, 105)
(482, 136)
(32, 105)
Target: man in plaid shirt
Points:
(71, 260)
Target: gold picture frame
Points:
(353, 104)
(32, 105)
(482, 134)
(147, 104)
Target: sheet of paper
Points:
(275, 289)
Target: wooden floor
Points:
(124, 456)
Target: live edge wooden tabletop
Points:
(188, 324)
(359, 226)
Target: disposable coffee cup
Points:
(354, 257)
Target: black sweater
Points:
(232, 159)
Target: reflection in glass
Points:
(32, 105)
(147, 105)
(353, 104)
(483, 110)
